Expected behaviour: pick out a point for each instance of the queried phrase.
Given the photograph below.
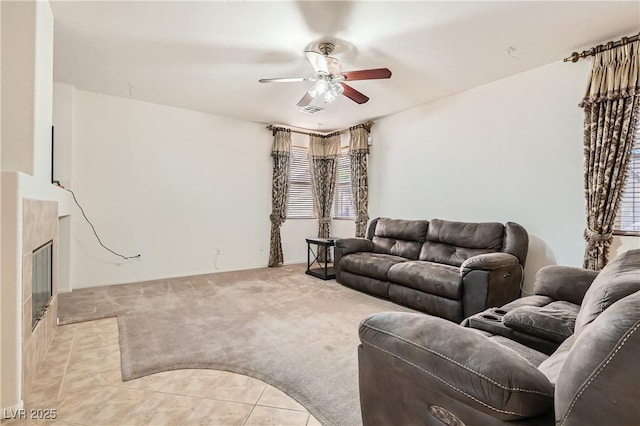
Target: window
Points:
(628, 218)
(300, 192)
(343, 207)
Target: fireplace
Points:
(41, 282)
(39, 287)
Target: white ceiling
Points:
(208, 56)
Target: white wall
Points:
(510, 150)
(170, 184)
(43, 93)
(18, 78)
(27, 65)
(62, 117)
(63, 95)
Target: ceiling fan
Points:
(329, 78)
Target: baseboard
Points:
(192, 275)
(13, 412)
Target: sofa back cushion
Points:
(452, 243)
(516, 241)
(597, 384)
(620, 278)
(400, 237)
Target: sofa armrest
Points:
(563, 283)
(491, 279)
(458, 362)
(345, 246)
(488, 262)
(353, 245)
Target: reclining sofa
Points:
(420, 370)
(449, 269)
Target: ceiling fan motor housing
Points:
(326, 47)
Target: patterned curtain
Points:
(610, 110)
(281, 153)
(358, 153)
(323, 156)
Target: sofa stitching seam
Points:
(500, 385)
(595, 375)
(447, 383)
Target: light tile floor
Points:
(80, 379)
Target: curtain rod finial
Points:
(573, 58)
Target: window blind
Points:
(343, 207)
(628, 217)
(300, 192)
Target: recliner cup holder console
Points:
(491, 321)
(491, 317)
(488, 320)
(491, 314)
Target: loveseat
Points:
(449, 269)
(421, 370)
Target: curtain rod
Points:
(575, 56)
(366, 125)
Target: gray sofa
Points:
(449, 269)
(420, 370)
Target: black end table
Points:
(323, 272)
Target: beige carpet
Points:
(279, 325)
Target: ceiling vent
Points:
(311, 109)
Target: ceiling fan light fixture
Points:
(330, 96)
(335, 90)
(319, 88)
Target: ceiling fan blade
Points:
(353, 94)
(318, 61)
(283, 80)
(367, 74)
(306, 100)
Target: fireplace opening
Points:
(41, 281)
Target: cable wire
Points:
(94, 229)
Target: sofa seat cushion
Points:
(434, 278)
(374, 265)
(534, 357)
(426, 302)
(554, 321)
(551, 366)
(369, 285)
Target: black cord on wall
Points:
(94, 229)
